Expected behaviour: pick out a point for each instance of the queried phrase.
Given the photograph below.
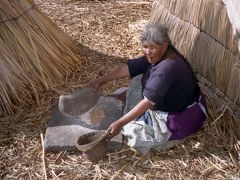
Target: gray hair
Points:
(154, 32)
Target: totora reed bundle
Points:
(35, 54)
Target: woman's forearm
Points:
(137, 111)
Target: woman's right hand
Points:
(120, 72)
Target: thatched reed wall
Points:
(34, 55)
(202, 32)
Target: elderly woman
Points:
(164, 104)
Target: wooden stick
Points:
(43, 158)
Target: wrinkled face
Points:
(153, 51)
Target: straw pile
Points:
(35, 54)
(202, 32)
(108, 32)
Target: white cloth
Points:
(143, 137)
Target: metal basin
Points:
(79, 102)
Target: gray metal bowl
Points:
(79, 102)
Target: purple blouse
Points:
(170, 84)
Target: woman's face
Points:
(153, 51)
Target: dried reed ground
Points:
(107, 33)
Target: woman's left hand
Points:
(114, 129)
